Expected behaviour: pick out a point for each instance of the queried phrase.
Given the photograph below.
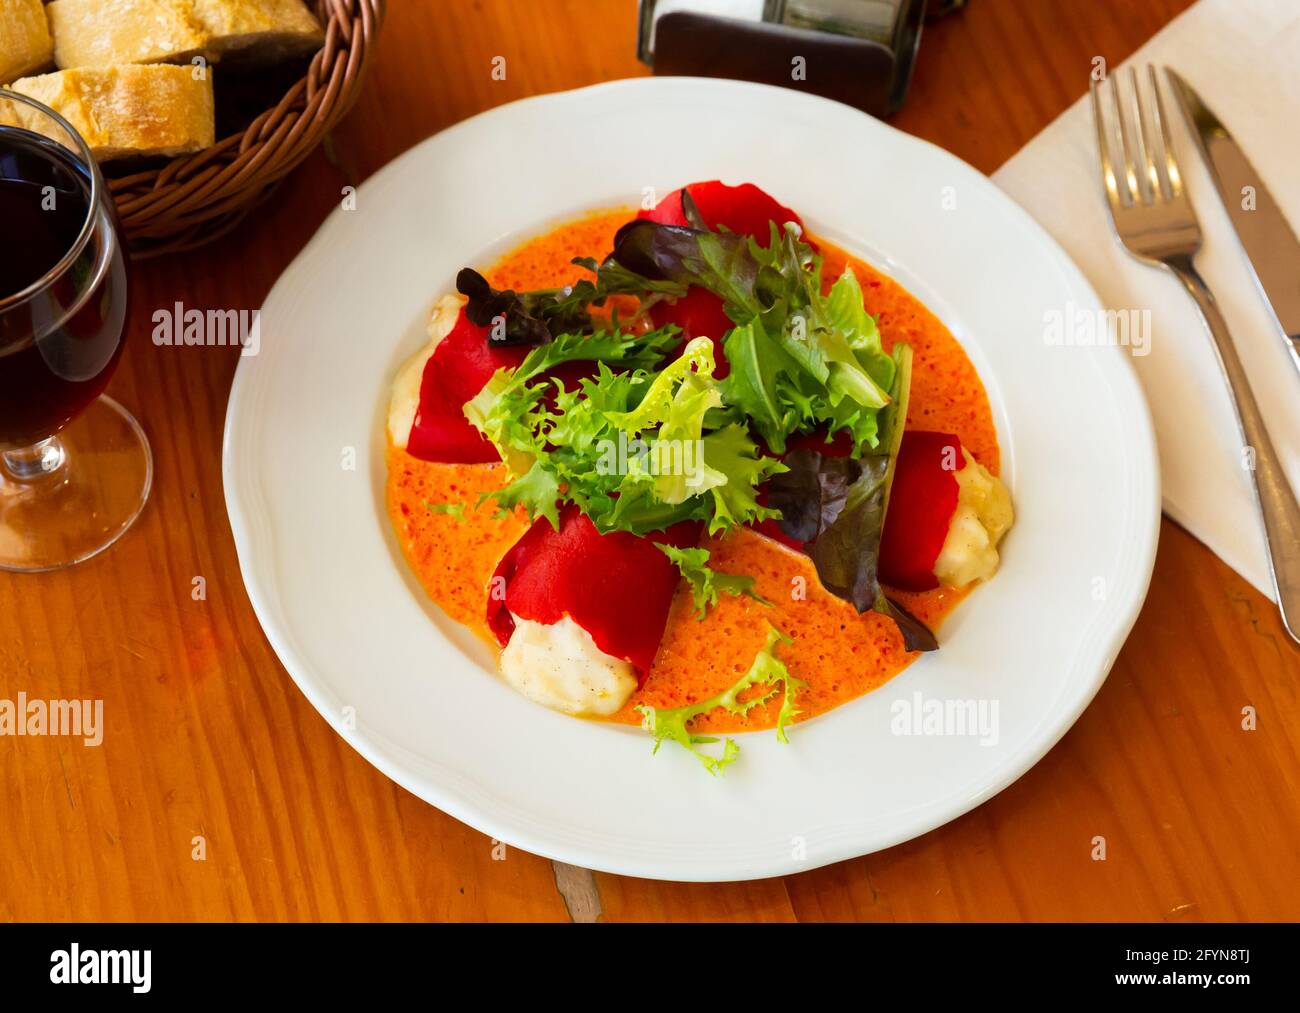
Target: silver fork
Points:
(1156, 223)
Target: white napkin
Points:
(1243, 58)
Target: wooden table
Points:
(207, 737)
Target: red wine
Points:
(59, 343)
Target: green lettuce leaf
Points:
(513, 412)
(706, 583)
(763, 678)
(762, 378)
(732, 452)
(836, 507)
(692, 369)
(847, 315)
(800, 360)
(537, 490)
(894, 418)
(677, 402)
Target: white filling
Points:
(406, 388)
(560, 667)
(982, 517)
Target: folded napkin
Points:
(1240, 55)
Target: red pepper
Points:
(922, 501)
(617, 586)
(461, 364)
(745, 209)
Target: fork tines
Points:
(1136, 138)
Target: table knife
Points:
(1270, 243)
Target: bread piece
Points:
(258, 31)
(130, 110)
(101, 33)
(25, 43)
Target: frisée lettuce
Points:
(706, 583)
(766, 677)
(636, 450)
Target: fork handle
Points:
(1273, 493)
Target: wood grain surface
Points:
(209, 745)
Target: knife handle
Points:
(1273, 495)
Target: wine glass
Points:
(75, 466)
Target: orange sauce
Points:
(837, 652)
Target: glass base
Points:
(74, 495)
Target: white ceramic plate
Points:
(417, 696)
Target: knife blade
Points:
(1270, 243)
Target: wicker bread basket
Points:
(195, 198)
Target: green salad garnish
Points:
(642, 440)
(637, 430)
(766, 677)
(706, 583)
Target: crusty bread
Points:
(258, 31)
(25, 44)
(130, 110)
(101, 33)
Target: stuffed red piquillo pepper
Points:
(426, 414)
(946, 515)
(579, 614)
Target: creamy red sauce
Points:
(837, 652)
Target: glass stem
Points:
(35, 462)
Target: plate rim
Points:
(243, 491)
